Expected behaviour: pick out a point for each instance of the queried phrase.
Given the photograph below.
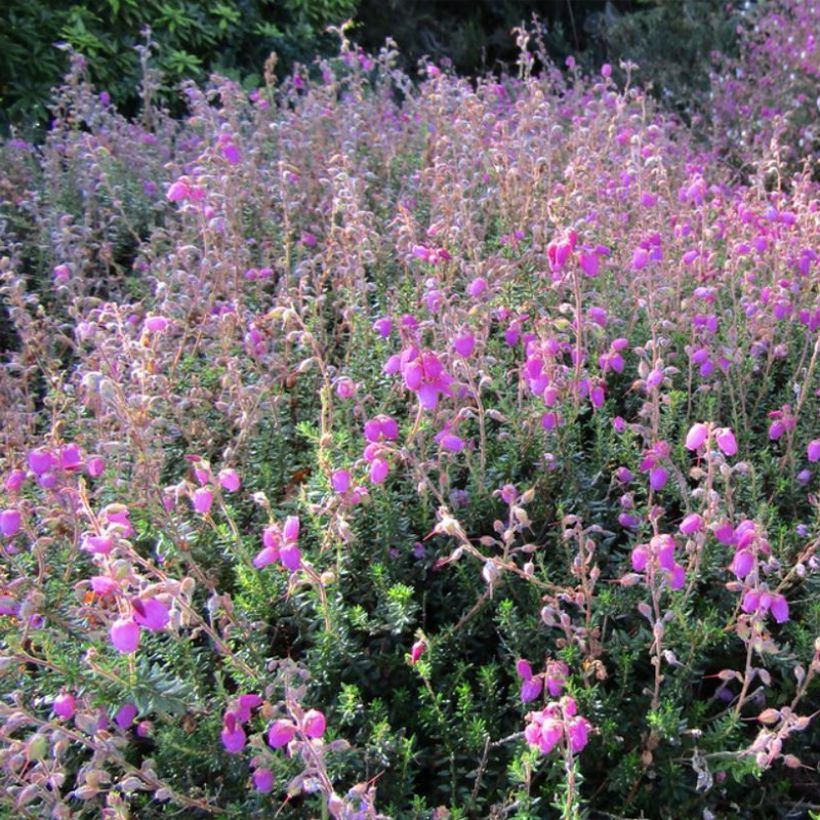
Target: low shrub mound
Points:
(376, 449)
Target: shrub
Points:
(379, 450)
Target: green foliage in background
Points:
(233, 37)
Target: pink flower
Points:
(291, 557)
(65, 706)
(179, 190)
(813, 450)
(245, 703)
(726, 441)
(268, 555)
(697, 436)
(102, 585)
(156, 324)
(125, 635)
(280, 733)
(691, 524)
(416, 651)
(203, 498)
(290, 530)
(95, 467)
(229, 480)
(313, 723)
(578, 733)
(150, 613)
(98, 544)
(346, 388)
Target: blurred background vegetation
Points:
(671, 40)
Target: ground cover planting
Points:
(380, 448)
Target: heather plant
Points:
(373, 450)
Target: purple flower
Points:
(813, 450)
(125, 716)
(280, 733)
(65, 706)
(233, 736)
(658, 478)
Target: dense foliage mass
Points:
(373, 449)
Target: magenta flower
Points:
(578, 734)
(263, 780)
(229, 480)
(531, 689)
(813, 450)
(313, 723)
(98, 544)
(9, 523)
(280, 733)
(464, 345)
(726, 441)
(41, 461)
(379, 468)
(658, 478)
(589, 264)
(696, 437)
(416, 651)
(125, 636)
(381, 428)
(346, 388)
(203, 498)
(477, 287)
(125, 716)
(103, 585)
(290, 556)
(340, 481)
(95, 467)
(523, 669)
(383, 327)
(65, 706)
(691, 524)
(15, 480)
(150, 613)
(245, 703)
(233, 735)
(156, 324)
(557, 672)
